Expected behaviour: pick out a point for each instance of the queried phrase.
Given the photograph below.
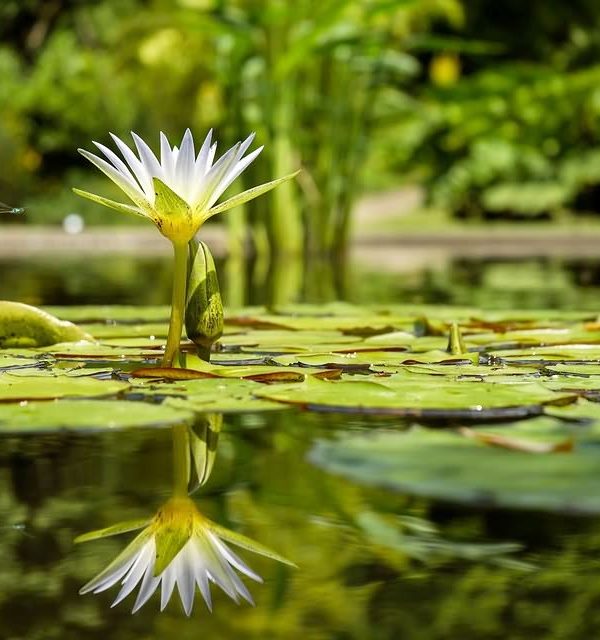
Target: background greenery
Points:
(494, 108)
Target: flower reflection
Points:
(179, 546)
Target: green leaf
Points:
(248, 195)
(14, 388)
(214, 395)
(87, 415)
(418, 396)
(111, 204)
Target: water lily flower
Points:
(178, 193)
(178, 547)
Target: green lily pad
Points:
(574, 353)
(148, 330)
(287, 341)
(447, 466)
(88, 415)
(96, 352)
(111, 313)
(214, 395)
(418, 397)
(15, 362)
(14, 388)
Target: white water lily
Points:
(180, 191)
(179, 547)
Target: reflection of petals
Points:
(203, 558)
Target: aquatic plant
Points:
(178, 194)
(179, 546)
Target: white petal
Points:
(186, 164)
(233, 558)
(215, 569)
(198, 562)
(242, 589)
(204, 191)
(149, 160)
(211, 157)
(148, 587)
(144, 562)
(137, 167)
(167, 162)
(131, 188)
(233, 173)
(202, 582)
(168, 578)
(112, 574)
(203, 161)
(185, 578)
(237, 583)
(116, 161)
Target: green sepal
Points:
(247, 543)
(115, 529)
(169, 540)
(111, 204)
(249, 194)
(167, 201)
(204, 317)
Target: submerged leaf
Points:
(517, 444)
(443, 465)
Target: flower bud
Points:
(204, 307)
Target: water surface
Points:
(353, 581)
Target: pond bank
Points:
(391, 251)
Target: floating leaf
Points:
(17, 388)
(427, 398)
(88, 415)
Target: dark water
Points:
(351, 583)
(348, 584)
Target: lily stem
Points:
(181, 460)
(177, 303)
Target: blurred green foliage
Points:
(496, 109)
(511, 131)
(303, 75)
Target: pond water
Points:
(372, 563)
(501, 283)
(353, 579)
